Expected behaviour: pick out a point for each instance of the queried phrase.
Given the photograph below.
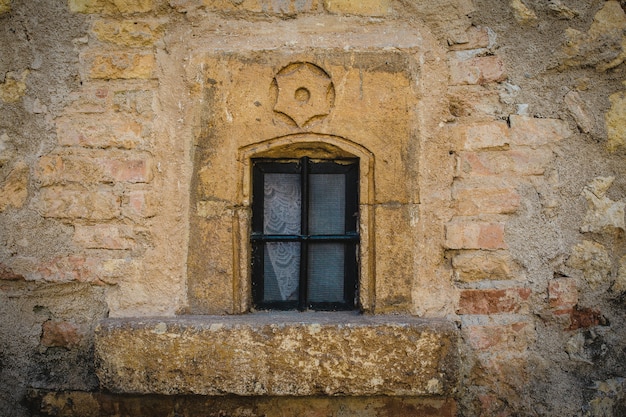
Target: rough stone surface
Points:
(593, 259)
(281, 354)
(603, 214)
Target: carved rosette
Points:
(305, 93)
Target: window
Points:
(305, 233)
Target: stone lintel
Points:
(278, 354)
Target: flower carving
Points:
(305, 92)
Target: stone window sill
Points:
(279, 354)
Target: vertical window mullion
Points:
(304, 249)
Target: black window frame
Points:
(305, 166)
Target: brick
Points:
(130, 33)
(105, 236)
(476, 201)
(92, 169)
(62, 334)
(515, 337)
(139, 204)
(110, 6)
(562, 293)
(486, 135)
(494, 301)
(133, 101)
(120, 65)
(7, 274)
(77, 203)
(68, 269)
(584, 318)
(358, 7)
(471, 266)
(118, 132)
(520, 161)
(475, 70)
(89, 100)
(533, 132)
(476, 37)
(475, 235)
(473, 100)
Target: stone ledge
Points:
(278, 354)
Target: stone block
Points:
(77, 203)
(139, 204)
(603, 214)
(68, 269)
(14, 87)
(89, 132)
(580, 111)
(129, 33)
(494, 301)
(593, 260)
(111, 6)
(518, 161)
(473, 201)
(523, 14)
(473, 101)
(615, 120)
(62, 334)
(359, 7)
(475, 235)
(471, 266)
(119, 65)
(534, 132)
(476, 70)
(476, 37)
(278, 354)
(92, 99)
(14, 189)
(104, 236)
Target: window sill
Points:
(288, 353)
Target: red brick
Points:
(139, 203)
(583, 318)
(475, 235)
(476, 37)
(473, 100)
(493, 301)
(104, 236)
(69, 269)
(76, 203)
(474, 201)
(465, 69)
(520, 161)
(7, 274)
(562, 293)
(60, 334)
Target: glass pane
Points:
(281, 204)
(325, 272)
(281, 271)
(327, 209)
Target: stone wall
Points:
(496, 131)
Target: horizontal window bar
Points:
(258, 237)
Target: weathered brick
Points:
(132, 33)
(62, 334)
(88, 168)
(8, 274)
(562, 293)
(476, 37)
(583, 318)
(471, 266)
(473, 100)
(493, 301)
(474, 201)
(475, 235)
(68, 269)
(120, 65)
(534, 132)
(139, 204)
(105, 236)
(89, 132)
(359, 7)
(515, 337)
(467, 69)
(93, 99)
(519, 161)
(485, 135)
(133, 101)
(111, 6)
(77, 203)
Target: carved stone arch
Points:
(316, 146)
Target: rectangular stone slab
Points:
(278, 354)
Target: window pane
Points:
(281, 204)
(327, 208)
(281, 271)
(325, 272)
